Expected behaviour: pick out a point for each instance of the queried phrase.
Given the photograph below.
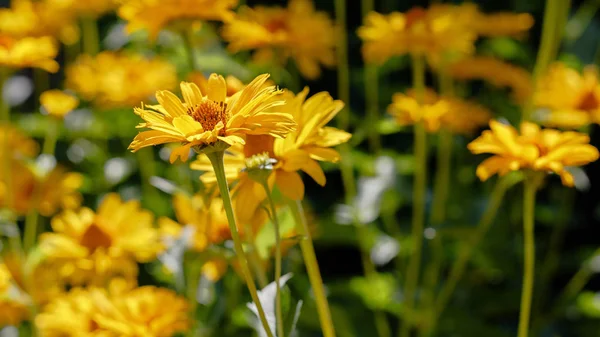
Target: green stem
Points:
(371, 92)
(343, 70)
(189, 48)
(6, 163)
(418, 210)
(41, 81)
(529, 256)
(312, 268)
(147, 167)
(216, 159)
(254, 258)
(273, 211)
(91, 39)
(577, 282)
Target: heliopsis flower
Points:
(17, 143)
(57, 103)
(298, 32)
(407, 110)
(155, 15)
(91, 8)
(91, 247)
(537, 149)
(572, 98)
(499, 23)
(496, 72)
(464, 117)
(144, 311)
(233, 83)
(112, 79)
(37, 19)
(13, 305)
(28, 52)
(205, 118)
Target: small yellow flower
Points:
(57, 103)
(496, 72)
(155, 15)
(112, 80)
(497, 24)
(544, 150)
(91, 248)
(298, 32)
(13, 306)
(572, 98)
(91, 8)
(28, 52)
(406, 110)
(204, 118)
(17, 143)
(465, 117)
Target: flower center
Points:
(6, 42)
(209, 114)
(94, 237)
(414, 15)
(276, 25)
(589, 102)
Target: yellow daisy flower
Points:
(496, 72)
(93, 247)
(28, 52)
(233, 83)
(112, 79)
(57, 103)
(406, 110)
(572, 98)
(298, 32)
(465, 117)
(499, 23)
(545, 150)
(91, 8)
(13, 306)
(155, 15)
(204, 118)
(19, 144)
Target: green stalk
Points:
(529, 256)
(312, 268)
(418, 210)
(577, 282)
(371, 92)
(5, 118)
(189, 46)
(147, 167)
(216, 159)
(90, 35)
(343, 70)
(41, 80)
(254, 258)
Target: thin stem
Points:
(91, 39)
(41, 81)
(371, 92)
(312, 268)
(577, 282)
(189, 48)
(418, 210)
(147, 167)
(7, 162)
(216, 159)
(343, 70)
(529, 256)
(273, 211)
(254, 258)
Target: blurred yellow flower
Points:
(28, 52)
(145, 311)
(545, 150)
(298, 32)
(57, 103)
(153, 15)
(498, 23)
(91, 248)
(13, 306)
(465, 117)
(18, 144)
(572, 98)
(88, 8)
(496, 72)
(39, 18)
(112, 79)
(205, 118)
(233, 83)
(406, 110)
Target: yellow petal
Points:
(191, 93)
(290, 184)
(216, 88)
(187, 125)
(314, 170)
(171, 103)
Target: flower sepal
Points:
(218, 146)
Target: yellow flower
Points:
(233, 83)
(112, 80)
(28, 52)
(204, 118)
(545, 150)
(90, 248)
(498, 24)
(145, 311)
(572, 98)
(496, 72)
(38, 19)
(465, 117)
(91, 8)
(13, 306)
(298, 32)
(408, 111)
(17, 143)
(58, 103)
(155, 15)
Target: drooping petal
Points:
(290, 184)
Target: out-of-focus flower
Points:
(545, 150)
(298, 32)
(465, 117)
(155, 15)
(13, 306)
(144, 311)
(91, 248)
(233, 83)
(18, 144)
(118, 80)
(57, 103)
(407, 110)
(496, 72)
(28, 52)
(91, 8)
(498, 23)
(572, 98)
(206, 118)
(38, 19)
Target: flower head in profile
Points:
(28, 52)
(209, 118)
(18, 144)
(92, 247)
(112, 79)
(407, 110)
(297, 32)
(13, 305)
(572, 98)
(57, 103)
(533, 148)
(155, 15)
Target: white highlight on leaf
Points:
(266, 296)
(384, 250)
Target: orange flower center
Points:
(94, 237)
(414, 15)
(209, 114)
(276, 25)
(256, 144)
(6, 42)
(589, 102)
